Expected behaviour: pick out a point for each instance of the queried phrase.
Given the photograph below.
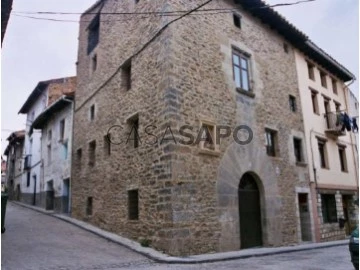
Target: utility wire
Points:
(24, 14)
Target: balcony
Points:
(334, 125)
(27, 162)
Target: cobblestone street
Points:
(36, 241)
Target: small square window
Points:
(92, 112)
(342, 156)
(323, 154)
(311, 71)
(92, 149)
(271, 142)
(334, 86)
(237, 20)
(314, 100)
(89, 206)
(298, 150)
(62, 130)
(208, 139)
(133, 204)
(286, 48)
(323, 79)
(94, 62)
(126, 75)
(133, 128)
(292, 103)
(107, 145)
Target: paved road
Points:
(36, 241)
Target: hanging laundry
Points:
(346, 123)
(355, 127)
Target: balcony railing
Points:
(335, 124)
(27, 162)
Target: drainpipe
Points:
(347, 89)
(314, 193)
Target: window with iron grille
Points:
(328, 205)
(133, 204)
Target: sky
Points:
(38, 50)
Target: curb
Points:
(195, 259)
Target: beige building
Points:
(224, 73)
(330, 142)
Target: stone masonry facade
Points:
(188, 198)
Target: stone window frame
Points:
(237, 20)
(92, 153)
(292, 103)
(247, 56)
(342, 158)
(130, 122)
(323, 79)
(334, 85)
(323, 157)
(311, 71)
(202, 148)
(315, 101)
(272, 150)
(301, 161)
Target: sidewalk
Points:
(204, 258)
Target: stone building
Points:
(14, 157)
(330, 147)
(55, 123)
(141, 79)
(44, 94)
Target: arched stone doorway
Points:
(249, 212)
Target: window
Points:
(337, 106)
(133, 204)
(49, 154)
(342, 156)
(314, 100)
(292, 103)
(323, 79)
(126, 75)
(271, 142)
(311, 71)
(92, 112)
(327, 105)
(322, 154)
(93, 34)
(237, 20)
(92, 148)
(89, 206)
(79, 157)
(107, 145)
(334, 86)
(137, 1)
(298, 150)
(286, 48)
(328, 205)
(208, 138)
(133, 126)
(28, 179)
(65, 145)
(94, 63)
(241, 71)
(49, 136)
(62, 129)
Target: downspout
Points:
(314, 192)
(346, 89)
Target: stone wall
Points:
(188, 199)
